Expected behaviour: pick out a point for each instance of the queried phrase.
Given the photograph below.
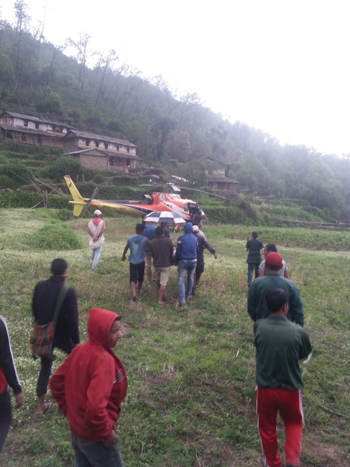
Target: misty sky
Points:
(278, 65)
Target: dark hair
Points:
(159, 231)
(139, 228)
(58, 266)
(275, 299)
(271, 247)
(255, 234)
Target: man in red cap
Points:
(257, 308)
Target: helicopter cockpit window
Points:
(149, 199)
(193, 208)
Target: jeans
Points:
(251, 267)
(189, 266)
(94, 454)
(5, 416)
(96, 256)
(44, 376)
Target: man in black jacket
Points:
(67, 329)
(202, 243)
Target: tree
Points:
(104, 65)
(179, 146)
(54, 103)
(163, 126)
(83, 54)
(22, 20)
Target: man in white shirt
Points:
(95, 229)
(270, 248)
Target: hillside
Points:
(34, 178)
(171, 131)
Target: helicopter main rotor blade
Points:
(205, 192)
(87, 204)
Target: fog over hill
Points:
(110, 97)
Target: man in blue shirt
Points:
(137, 244)
(186, 258)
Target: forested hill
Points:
(97, 92)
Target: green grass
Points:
(191, 371)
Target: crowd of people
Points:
(90, 385)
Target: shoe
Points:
(154, 279)
(179, 304)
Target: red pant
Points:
(289, 404)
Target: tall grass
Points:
(191, 371)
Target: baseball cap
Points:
(273, 259)
(97, 212)
(195, 228)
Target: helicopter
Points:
(169, 202)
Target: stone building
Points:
(94, 151)
(100, 152)
(223, 183)
(26, 129)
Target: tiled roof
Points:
(35, 119)
(104, 153)
(29, 130)
(83, 134)
(222, 180)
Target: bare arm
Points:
(124, 252)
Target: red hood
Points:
(98, 326)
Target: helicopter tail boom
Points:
(78, 201)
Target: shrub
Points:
(64, 165)
(15, 171)
(8, 183)
(54, 237)
(19, 199)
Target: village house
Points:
(100, 152)
(94, 151)
(223, 183)
(26, 129)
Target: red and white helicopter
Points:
(170, 202)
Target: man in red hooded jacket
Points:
(89, 388)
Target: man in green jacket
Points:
(280, 345)
(257, 308)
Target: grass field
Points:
(191, 370)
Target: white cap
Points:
(97, 212)
(195, 228)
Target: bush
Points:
(8, 183)
(54, 237)
(19, 199)
(14, 171)
(64, 165)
